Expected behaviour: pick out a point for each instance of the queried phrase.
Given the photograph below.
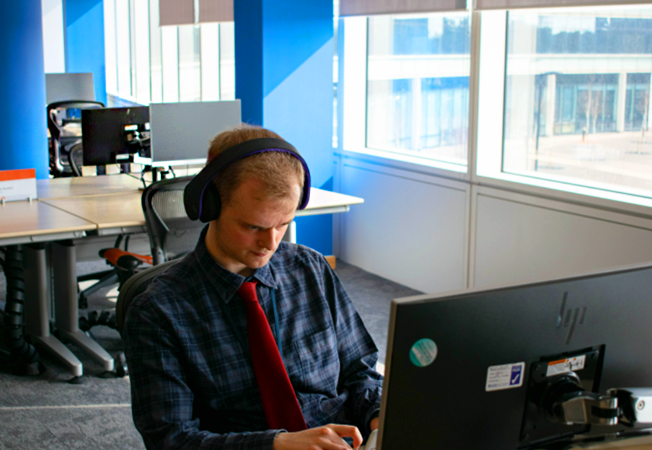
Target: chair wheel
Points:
(121, 368)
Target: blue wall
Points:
(23, 142)
(284, 78)
(84, 20)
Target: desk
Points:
(124, 210)
(28, 222)
(111, 214)
(115, 214)
(69, 208)
(327, 202)
(36, 222)
(40, 222)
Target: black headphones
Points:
(200, 197)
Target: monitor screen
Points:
(508, 368)
(69, 86)
(111, 132)
(181, 132)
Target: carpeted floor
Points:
(48, 412)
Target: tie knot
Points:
(248, 291)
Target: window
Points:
(553, 98)
(189, 63)
(577, 96)
(418, 86)
(147, 63)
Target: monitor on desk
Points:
(520, 367)
(110, 135)
(69, 86)
(181, 132)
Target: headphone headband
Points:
(201, 199)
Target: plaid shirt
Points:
(192, 382)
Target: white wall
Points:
(519, 237)
(412, 227)
(435, 235)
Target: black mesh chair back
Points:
(134, 286)
(171, 233)
(76, 159)
(65, 133)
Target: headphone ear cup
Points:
(211, 204)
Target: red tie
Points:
(280, 403)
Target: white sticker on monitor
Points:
(507, 376)
(562, 366)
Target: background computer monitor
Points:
(181, 132)
(462, 369)
(108, 133)
(69, 86)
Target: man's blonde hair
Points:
(279, 172)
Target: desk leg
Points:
(66, 310)
(37, 309)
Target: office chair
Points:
(134, 286)
(63, 136)
(76, 159)
(171, 235)
(123, 263)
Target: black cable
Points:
(141, 178)
(172, 170)
(23, 353)
(105, 317)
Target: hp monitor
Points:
(534, 366)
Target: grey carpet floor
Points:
(48, 412)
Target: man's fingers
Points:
(347, 431)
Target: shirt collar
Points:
(225, 282)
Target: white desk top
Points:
(321, 200)
(125, 210)
(105, 211)
(83, 186)
(36, 219)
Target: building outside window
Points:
(418, 85)
(577, 97)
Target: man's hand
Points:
(328, 437)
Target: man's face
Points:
(249, 228)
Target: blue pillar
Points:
(84, 21)
(23, 140)
(284, 78)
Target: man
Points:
(193, 382)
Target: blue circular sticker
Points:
(423, 352)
